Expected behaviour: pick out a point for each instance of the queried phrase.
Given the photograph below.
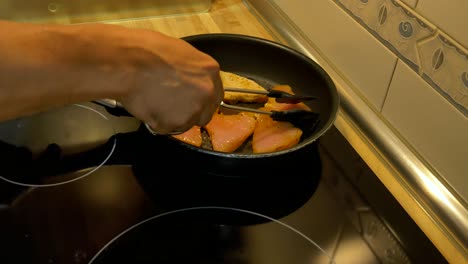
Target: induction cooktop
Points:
(329, 208)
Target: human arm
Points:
(161, 80)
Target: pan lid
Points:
(190, 235)
(33, 148)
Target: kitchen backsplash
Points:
(409, 60)
(425, 47)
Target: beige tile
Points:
(361, 58)
(433, 126)
(449, 15)
(367, 11)
(446, 66)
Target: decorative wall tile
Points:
(392, 23)
(445, 66)
(365, 10)
(361, 58)
(443, 62)
(427, 95)
(448, 15)
(402, 29)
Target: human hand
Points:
(161, 80)
(174, 86)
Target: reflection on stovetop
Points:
(203, 242)
(70, 223)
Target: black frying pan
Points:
(269, 64)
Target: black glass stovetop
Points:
(97, 209)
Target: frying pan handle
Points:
(113, 107)
(19, 164)
(116, 109)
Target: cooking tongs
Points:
(281, 96)
(298, 117)
(115, 108)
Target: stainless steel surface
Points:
(242, 90)
(298, 117)
(278, 94)
(245, 109)
(111, 103)
(445, 207)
